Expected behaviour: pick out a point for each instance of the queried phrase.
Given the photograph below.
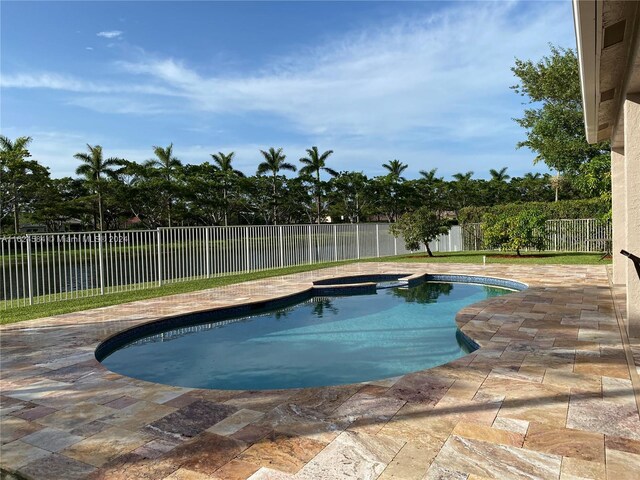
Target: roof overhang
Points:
(607, 38)
(587, 18)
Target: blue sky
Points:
(424, 82)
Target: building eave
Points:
(587, 17)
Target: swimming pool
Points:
(320, 341)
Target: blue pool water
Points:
(321, 341)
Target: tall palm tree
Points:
(223, 165)
(556, 182)
(499, 185)
(432, 186)
(168, 165)
(274, 161)
(499, 175)
(463, 185)
(94, 169)
(12, 155)
(314, 163)
(395, 168)
(430, 176)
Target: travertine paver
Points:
(549, 395)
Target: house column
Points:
(632, 188)
(618, 216)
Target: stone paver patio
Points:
(549, 395)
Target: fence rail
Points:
(572, 235)
(42, 268)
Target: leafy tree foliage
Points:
(419, 227)
(94, 169)
(168, 169)
(554, 121)
(587, 208)
(228, 177)
(274, 162)
(314, 163)
(20, 178)
(525, 229)
(115, 193)
(350, 195)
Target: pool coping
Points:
(319, 288)
(527, 351)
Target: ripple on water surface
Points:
(321, 341)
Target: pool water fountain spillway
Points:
(345, 330)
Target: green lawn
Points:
(528, 258)
(19, 314)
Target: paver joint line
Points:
(552, 392)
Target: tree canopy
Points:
(553, 119)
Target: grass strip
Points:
(19, 314)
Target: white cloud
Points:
(114, 104)
(88, 48)
(411, 90)
(110, 34)
(448, 71)
(54, 81)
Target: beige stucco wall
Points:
(618, 215)
(632, 210)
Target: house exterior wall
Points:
(632, 204)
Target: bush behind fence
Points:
(573, 235)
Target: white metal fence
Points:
(571, 235)
(41, 268)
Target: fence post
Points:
(281, 247)
(310, 246)
(100, 264)
(377, 240)
(207, 250)
(159, 254)
(395, 245)
(246, 247)
(358, 241)
(29, 274)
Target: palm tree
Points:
(274, 161)
(499, 175)
(499, 184)
(556, 183)
(222, 164)
(463, 185)
(463, 177)
(313, 164)
(395, 168)
(94, 169)
(168, 165)
(432, 186)
(12, 155)
(430, 176)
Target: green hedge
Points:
(591, 208)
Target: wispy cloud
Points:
(450, 71)
(70, 83)
(409, 87)
(445, 71)
(110, 34)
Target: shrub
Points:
(525, 229)
(419, 226)
(590, 208)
